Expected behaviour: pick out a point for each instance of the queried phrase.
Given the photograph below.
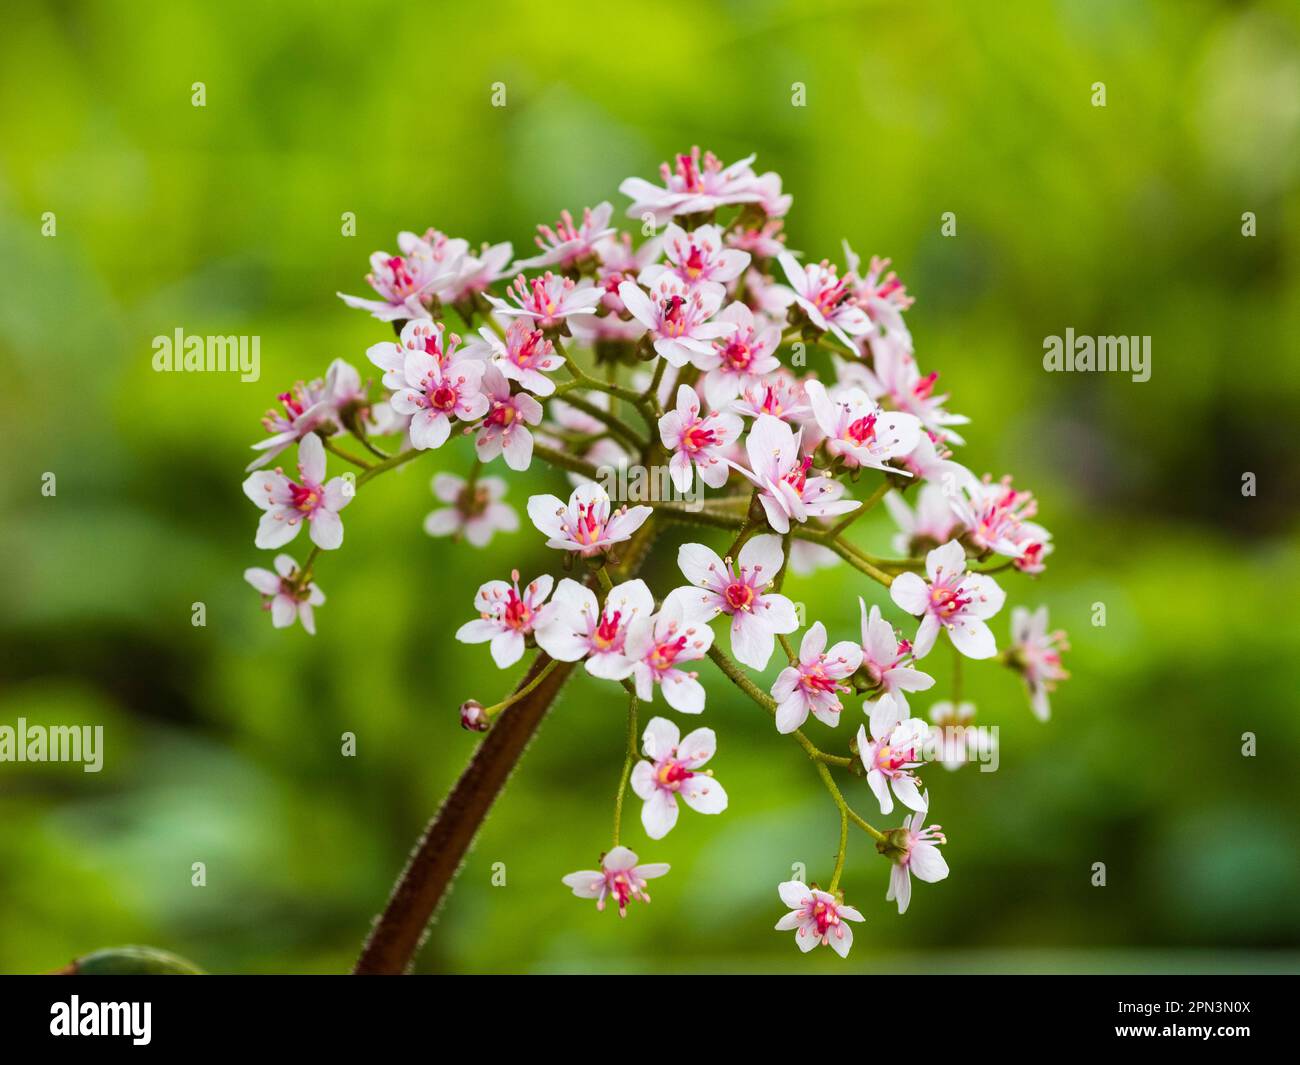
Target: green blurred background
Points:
(223, 742)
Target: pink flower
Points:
(284, 596)
(692, 186)
(780, 395)
(699, 441)
(658, 646)
(953, 599)
(477, 273)
(525, 356)
(308, 407)
(1036, 654)
(756, 614)
(812, 685)
(585, 524)
(889, 757)
(418, 335)
(826, 299)
(505, 428)
(677, 316)
(930, 524)
(434, 393)
(672, 770)
(781, 474)
(477, 513)
(816, 917)
(290, 503)
(576, 626)
(408, 282)
(567, 244)
(859, 431)
(997, 516)
(915, 850)
(953, 737)
(696, 257)
(740, 359)
(548, 300)
(506, 616)
(619, 876)
(882, 296)
(895, 376)
(764, 242)
(883, 655)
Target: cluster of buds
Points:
(686, 351)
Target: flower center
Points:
(607, 631)
(863, 430)
(665, 654)
(948, 601)
(672, 773)
(698, 437)
(443, 397)
(305, 497)
(739, 595)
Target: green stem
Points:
(566, 461)
(515, 696)
(333, 447)
(616, 425)
(399, 459)
(628, 760)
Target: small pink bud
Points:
(472, 716)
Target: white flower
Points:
(673, 770)
(619, 876)
(283, 597)
(698, 442)
(756, 614)
(953, 599)
(859, 431)
(812, 684)
(658, 646)
(288, 504)
(781, 474)
(585, 524)
(576, 626)
(889, 757)
(816, 917)
(477, 514)
(915, 850)
(506, 616)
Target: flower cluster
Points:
(782, 399)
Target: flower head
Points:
(577, 626)
(475, 512)
(953, 600)
(506, 616)
(858, 431)
(813, 685)
(305, 408)
(525, 355)
(696, 257)
(434, 393)
(505, 427)
(1036, 654)
(780, 471)
(740, 359)
(889, 755)
(569, 242)
(816, 918)
(672, 769)
(692, 185)
(619, 877)
(548, 300)
(677, 316)
(285, 594)
(914, 850)
(408, 283)
(310, 499)
(585, 524)
(658, 647)
(757, 615)
(884, 660)
(826, 299)
(697, 441)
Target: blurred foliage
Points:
(223, 742)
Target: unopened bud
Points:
(472, 716)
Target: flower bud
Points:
(472, 716)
